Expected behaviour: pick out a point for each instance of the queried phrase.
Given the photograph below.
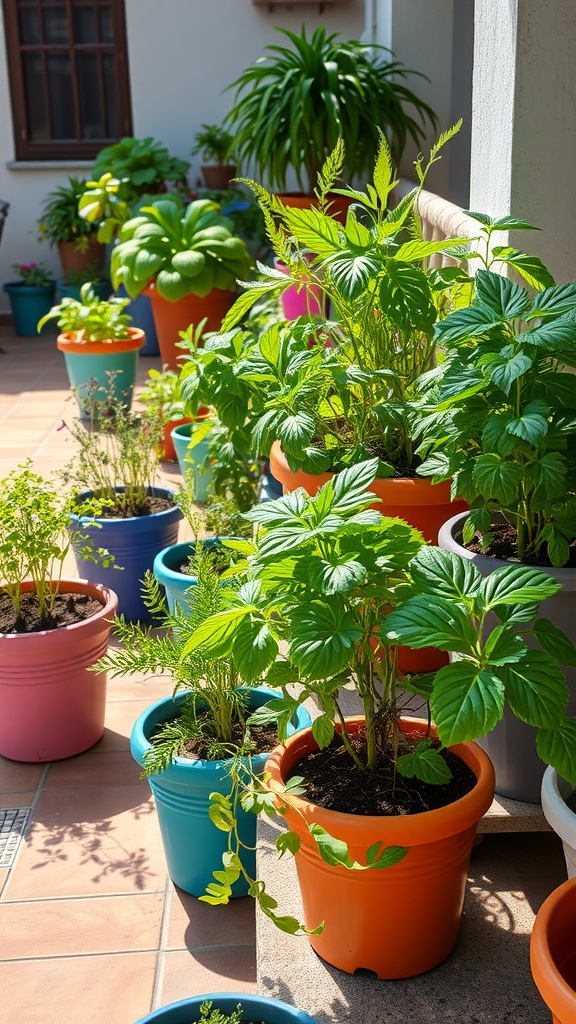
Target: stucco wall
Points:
(182, 54)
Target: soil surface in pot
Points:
(333, 781)
(264, 739)
(127, 509)
(505, 546)
(68, 609)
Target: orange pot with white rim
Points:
(553, 952)
(369, 917)
(102, 371)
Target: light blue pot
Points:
(29, 303)
(193, 846)
(259, 1008)
(166, 570)
(201, 476)
(134, 542)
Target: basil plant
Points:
(509, 437)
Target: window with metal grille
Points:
(69, 82)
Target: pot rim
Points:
(555, 808)
(105, 594)
(65, 342)
(416, 828)
(161, 492)
(558, 995)
(223, 999)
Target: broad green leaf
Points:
(352, 274)
(322, 639)
(555, 642)
(254, 648)
(497, 479)
(503, 297)
(555, 301)
(323, 731)
(423, 622)
(558, 748)
(215, 635)
(425, 763)
(287, 842)
(445, 574)
(536, 690)
(530, 267)
(339, 578)
(351, 487)
(517, 584)
(503, 370)
(467, 702)
(332, 851)
(503, 645)
(406, 297)
(531, 425)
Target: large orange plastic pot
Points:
(301, 201)
(172, 317)
(415, 499)
(553, 952)
(398, 921)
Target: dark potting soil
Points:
(333, 781)
(571, 802)
(505, 546)
(68, 609)
(153, 503)
(264, 740)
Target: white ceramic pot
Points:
(555, 792)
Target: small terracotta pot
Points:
(553, 952)
(168, 449)
(74, 261)
(369, 916)
(217, 177)
(172, 317)
(51, 705)
(415, 499)
(302, 201)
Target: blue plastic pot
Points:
(193, 846)
(29, 303)
(259, 1008)
(134, 542)
(100, 371)
(140, 309)
(166, 570)
(192, 460)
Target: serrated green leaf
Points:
(287, 842)
(555, 642)
(503, 645)
(323, 730)
(557, 747)
(420, 622)
(518, 584)
(467, 701)
(536, 690)
(497, 479)
(445, 574)
(425, 763)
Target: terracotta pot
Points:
(51, 705)
(172, 317)
(217, 177)
(76, 262)
(302, 201)
(398, 921)
(168, 449)
(512, 744)
(422, 504)
(553, 952)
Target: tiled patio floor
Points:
(91, 928)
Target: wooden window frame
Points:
(65, 149)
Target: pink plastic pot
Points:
(51, 705)
(304, 301)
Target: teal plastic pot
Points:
(90, 363)
(193, 846)
(258, 1008)
(134, 542)
(29, 303)
(192, 459)
(102, 290)
(166, 570)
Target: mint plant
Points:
(509, 436)
(90, 318)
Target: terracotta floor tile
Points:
(17, 799)
(77, 990)
(107, 924)
(88, 841)
(134, 688)
(95, 768)
(193, 924)
(4, 872)
(222, 970)
(120, 717)
(16, 776)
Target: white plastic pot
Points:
(555, 792)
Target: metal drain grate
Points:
(13, 821)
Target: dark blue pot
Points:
(193, 846)
(134, 542)
(29, 304)
(259, 1008)
(140, 309)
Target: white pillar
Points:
(523, 159)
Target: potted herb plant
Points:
(216, 144)
(510, 446)
(116, 462)
(189, 743)
(188, 260)
(342, 586)
(161, 397)
(60, 224)
(97, 342)
(30, 298)
(553, 952)
(292, 105)
(227, 1008)
(144, 166)
(52, 630)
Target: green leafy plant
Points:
(293, 104)
(215, 143)
(90, 318)
(161, 394)
(116, 458)
(35, 538)
(60, 220)
(341, 587)
(32, 275)
(210, 1014)
(144, 167)
(509, 439)
(104, 206)
(182, 249)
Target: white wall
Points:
(182, 54)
